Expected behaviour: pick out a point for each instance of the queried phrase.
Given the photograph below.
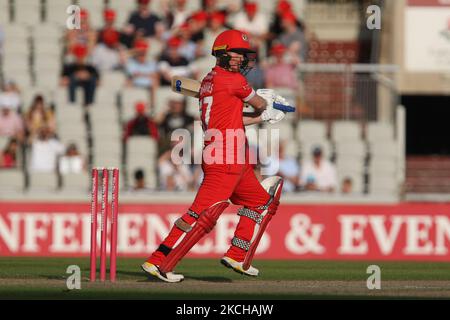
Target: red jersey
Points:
(222, 97)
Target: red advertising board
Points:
(335, 232)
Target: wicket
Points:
(104, 223)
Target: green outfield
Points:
(207, 279)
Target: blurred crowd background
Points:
(100, 95)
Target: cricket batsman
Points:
(223, 93)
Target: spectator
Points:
(144, 22)
(318, 174)
(139, 180)
(216, 26)
(256, 76)
(72, 161)
(188, 48)
(252, 22)
(286, 167)
(275, 28)
(108, 54)
(197, 25)
(10, 95)
(45, 151)
(280, 73)
(347, 185)
(11, 124)
(39, 116)
(141, 124)
(9, 154)
(141, 71)
(293, 38)
(85, 36)
(174, 177)
(80, 74)
(178, 15)
(171, 63)
(175, 118)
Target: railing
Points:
(361, 92)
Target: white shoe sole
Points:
(237, 267)
(153, 270)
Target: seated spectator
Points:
(318, 174)
(80, 74)
(293, 38)
(174, 177)
(275, 28)
(11, 123)
(252, 22)
(139, 180)
(107, 54)
(347, 186)
(280, 73)
(216, 26)
(72, 161)
(141, 71)
(176, 117)
(178, 14)
(45, 151)
(256, 75)
(286, 167)
(141, 124)
(144, 21)
(39, 116)
(10, 95)
(197, 24)
(171, 63)
(188, 48)
(85, 36)
(9, 154)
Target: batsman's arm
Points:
(259, 104)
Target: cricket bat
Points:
(186, 86)
(191, 88)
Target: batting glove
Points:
(270, 114)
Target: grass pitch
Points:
(45, 278)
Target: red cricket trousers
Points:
(237, 183)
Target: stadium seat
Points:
(379, 131)
(3, 142)
(27, 12)
(4, 13)
(100, 113)
(383, 167)
(345, 131)
(355, 148)
(76, 182)
(307, 147)
(56, 11)
(141, 146)
(310, 129)
(106, 96)
(43, 181)
(112, 80)
(383, 185)
(129, 97)
(95, 9)
(383, 149)
(15, 32)
(11, 179)
(162, 96)
(285, 130)
(46, 32)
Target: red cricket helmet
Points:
(232, 40)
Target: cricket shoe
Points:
(238, 267)
(153, 270)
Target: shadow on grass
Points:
(210, 279)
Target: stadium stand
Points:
(35, 48)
